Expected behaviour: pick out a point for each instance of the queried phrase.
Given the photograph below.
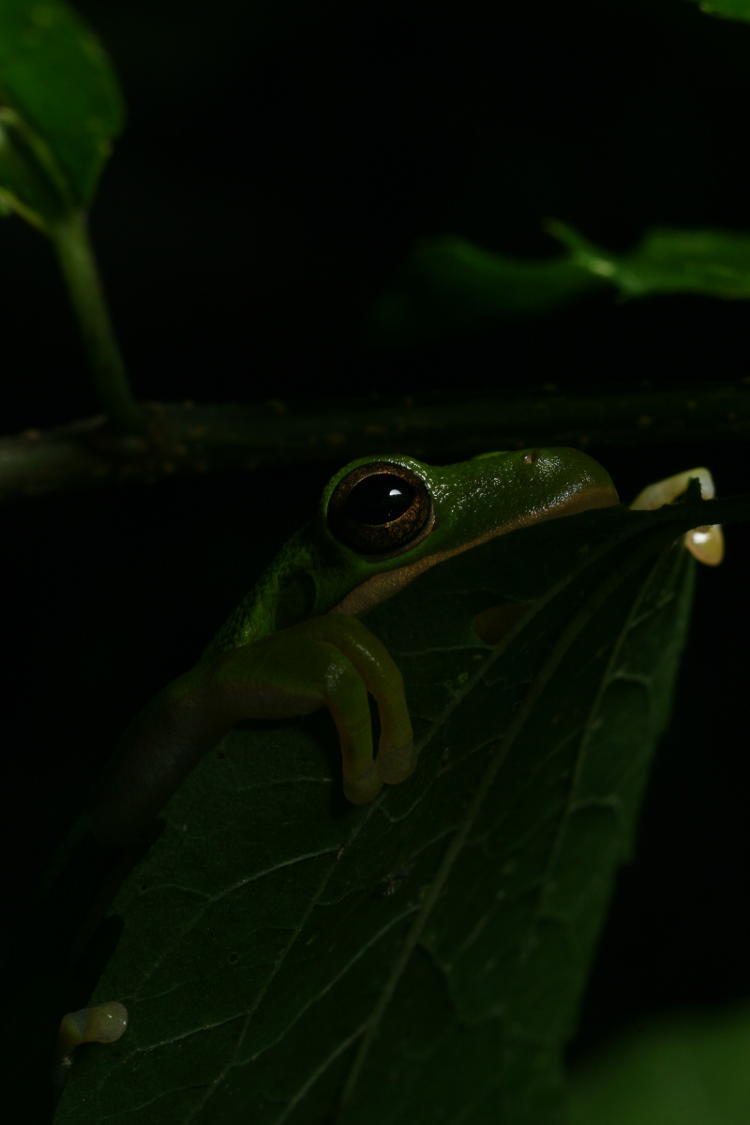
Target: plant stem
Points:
(78, 264)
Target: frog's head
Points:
(385, 520)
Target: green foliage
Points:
(289, 959)
(691, 1069)
(715, 263)
(449, 285)
(728, 9)
(30, 182)
(60, 109)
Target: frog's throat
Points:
(386, 584)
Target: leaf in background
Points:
(713, 262)
(692, 1069)
(726, 9)
(290, 960)
(449, 285)
(60, 108)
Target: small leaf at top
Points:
(60, 108)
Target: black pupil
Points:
(380, 498)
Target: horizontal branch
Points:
(191, 439)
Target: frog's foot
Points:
(378, 676)
(102, 1023)
(331, 661)
(706, 543)
(364, 787)
(396, 763)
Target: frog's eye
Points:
(380, 509)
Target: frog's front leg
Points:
(332, 661)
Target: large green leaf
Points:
(288, 959)
(60, 108)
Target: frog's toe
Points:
(396, 763)
(364, 788)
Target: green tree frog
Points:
(296, 642)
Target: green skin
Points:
(296, 643)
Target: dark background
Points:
(280, 160)
(278, 163)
